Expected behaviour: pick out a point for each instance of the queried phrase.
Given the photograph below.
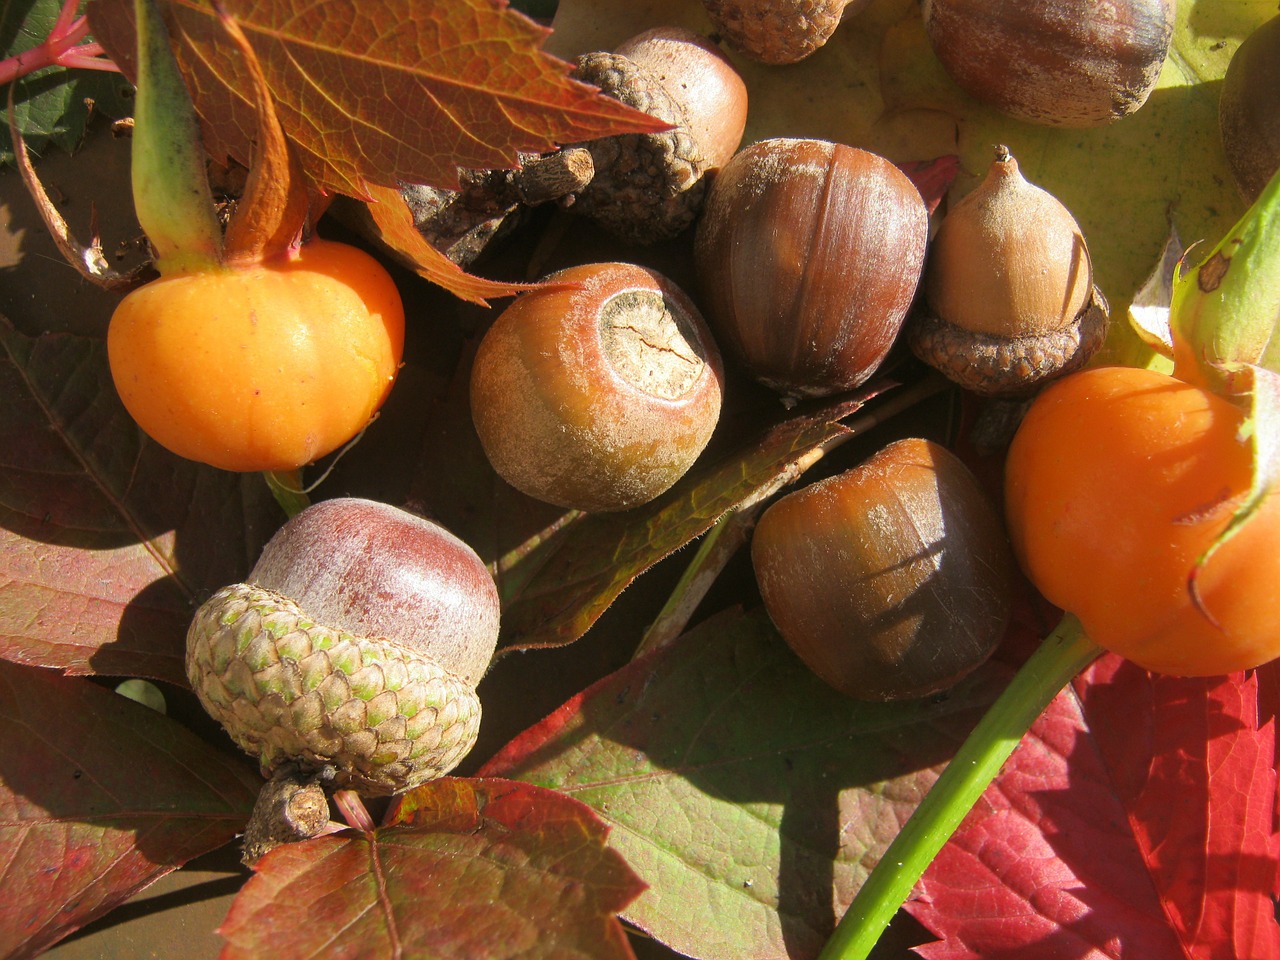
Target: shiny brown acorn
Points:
(890, 580)
(808, 255)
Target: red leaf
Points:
(99, 797)
(1194, 764)
(1139, 824)
(467, 868)
(105, 538)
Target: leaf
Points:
(402, 91)
(1137, 821)
(100, 796)
(105, 539)
(750, 797)
(587, 563)
(393, 221)
(466, 868)
(53, 106)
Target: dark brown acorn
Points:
(1249, 110)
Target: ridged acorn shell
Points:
(288, 689)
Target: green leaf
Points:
(750, 797)
(53, 106)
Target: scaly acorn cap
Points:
(287, 689)
(647, 186)
(777, 31)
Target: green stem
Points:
(1064, 653)
(286, 487)
(170, 186)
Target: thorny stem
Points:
(62, 48)
(1062, 655)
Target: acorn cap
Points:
(384, 717)
(647, 186)
(997, 366)
(777, 31)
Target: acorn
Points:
(1009, 297)
(808, 255)
(597, 390)
(891, 580)
(1071, 63)
(1249, 110)
(353, 650)
(697, 74)
(650, 187)
(779, 31)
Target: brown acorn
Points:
(650, 186)
(1071, 63)
(891, 580)
(808, 254)
(1249, 110)
(779, 31)
(598, 390)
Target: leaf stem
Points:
(1062, 655)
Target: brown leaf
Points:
(393, 221)
(401, 91)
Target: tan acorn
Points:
(1009, 297)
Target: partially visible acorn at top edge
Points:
(779, 31)
(1009, 297)
(1069, 63)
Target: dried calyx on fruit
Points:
(1247, 112)
(808, 254)
(1009, 298)
(353, 650)
(891, 580)
(650, 186)
(598, 390)
(778, 31)
(1071, 63)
